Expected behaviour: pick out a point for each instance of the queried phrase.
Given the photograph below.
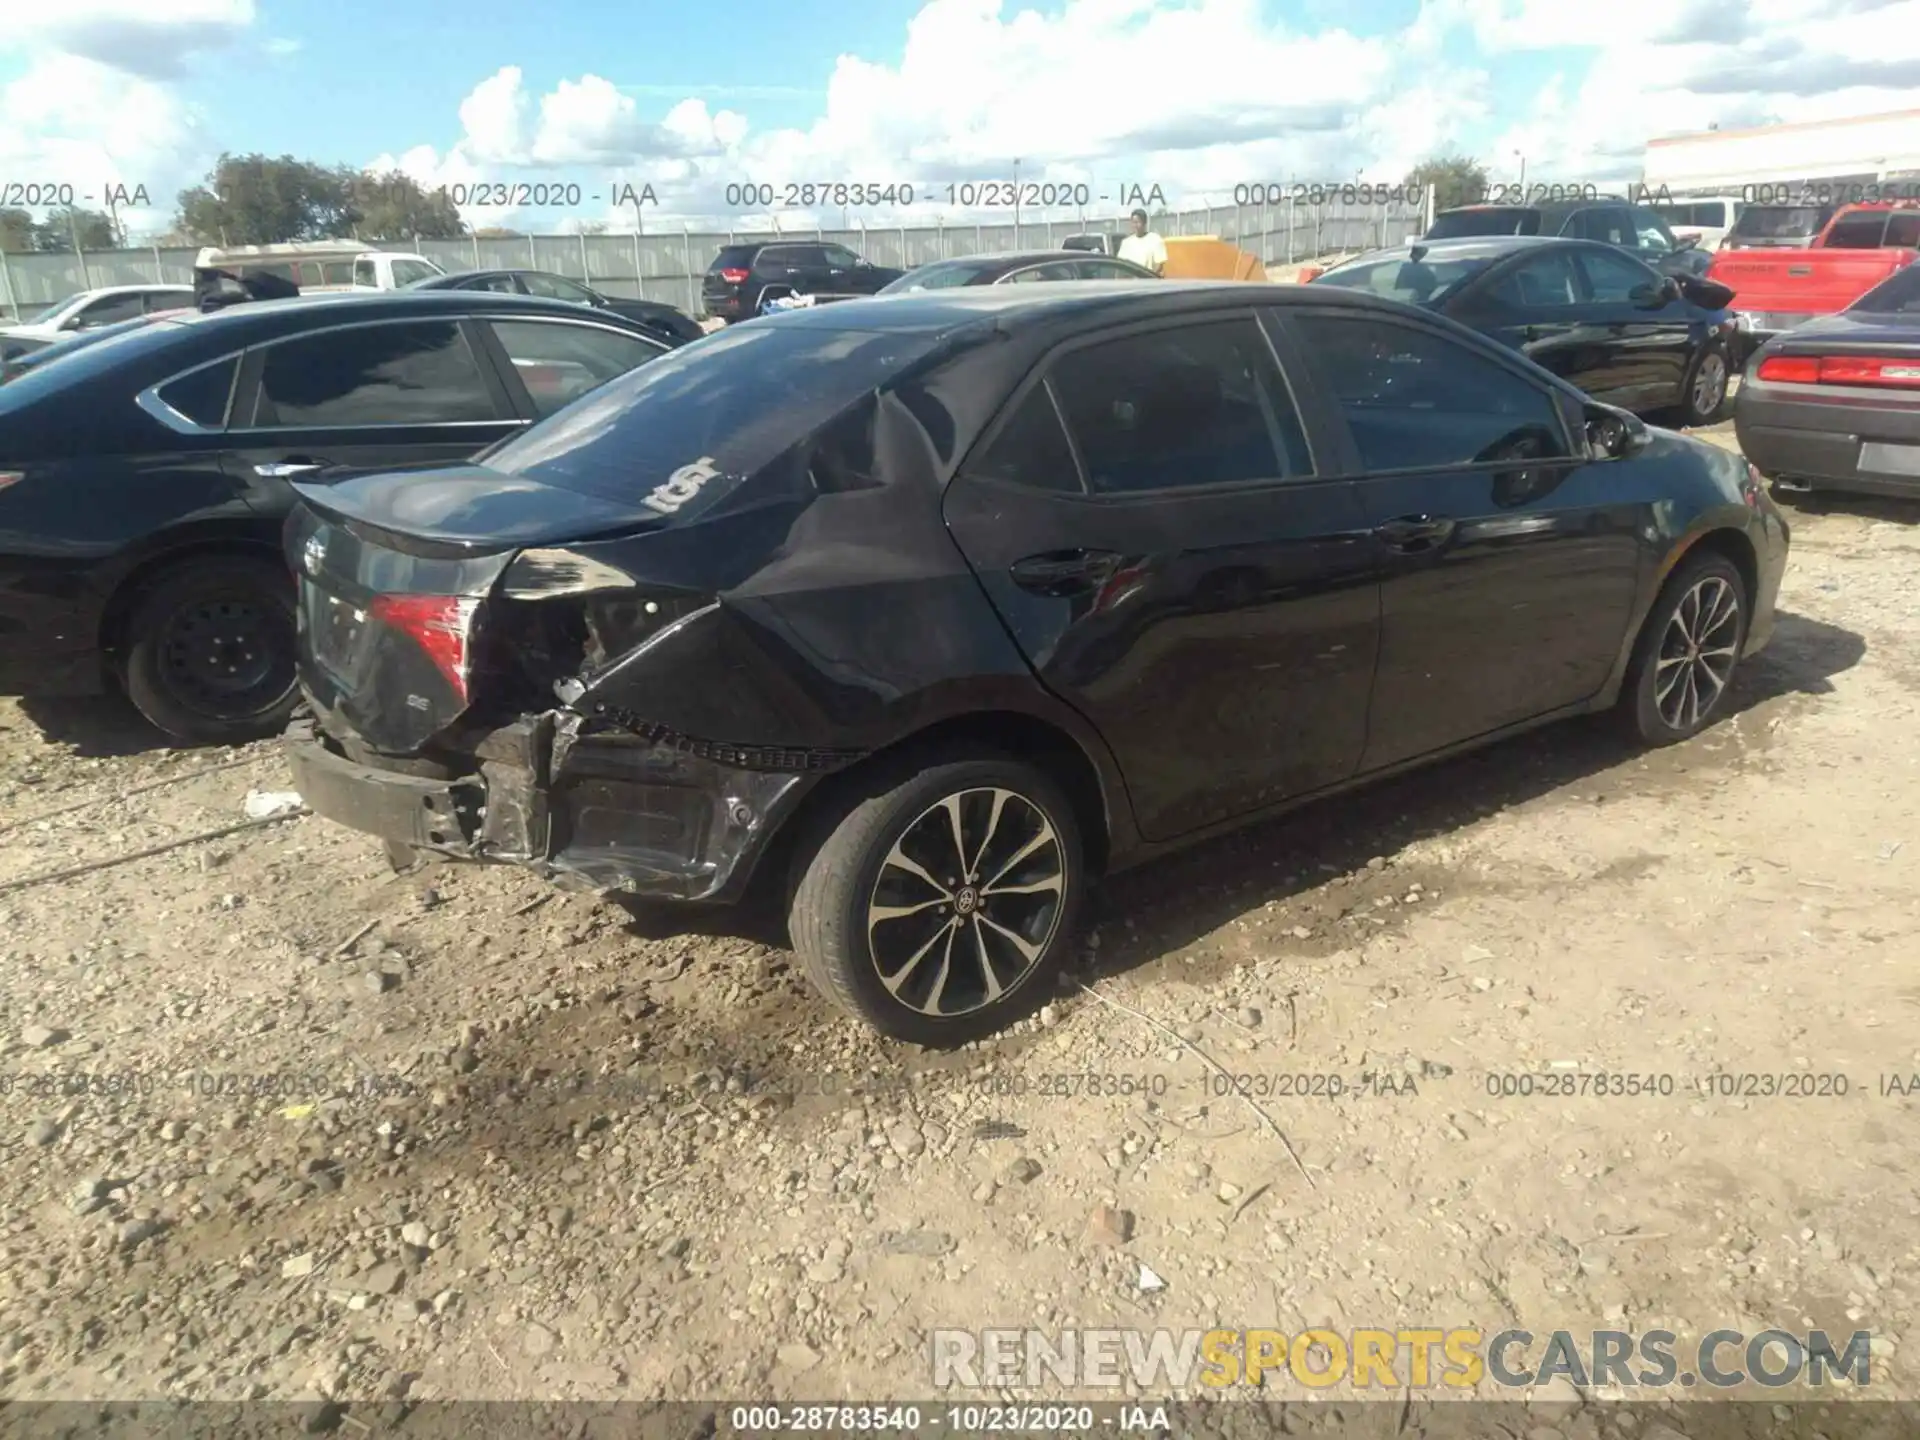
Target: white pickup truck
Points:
(319, 266)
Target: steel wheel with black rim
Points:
(1688, 652)
(210, 650)
(1705, 397)
(938, 902)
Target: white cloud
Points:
(1663, 67)
(74, 121)
(144, 37)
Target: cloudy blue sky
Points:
(1194, 95)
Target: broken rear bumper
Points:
(610, 809)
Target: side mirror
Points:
(1686, 242)
(862, 263)
(1613, 434)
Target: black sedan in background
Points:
(928, 608)
(145, 476)
(1834, 404)
(673, 325)
(1596, 317)
(1022, 269)
(1606, 219)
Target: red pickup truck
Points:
(1776, 290)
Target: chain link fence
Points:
(668, 265)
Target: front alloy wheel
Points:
(1689, 649)
(939, 899)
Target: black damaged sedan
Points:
(931, 609)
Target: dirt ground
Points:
(279, 1123)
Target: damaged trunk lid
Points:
(397, 574)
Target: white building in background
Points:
(1863, 150)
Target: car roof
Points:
(1477, 247)
(1017, 257)
(1064, 302)
(140, 289)
(1541, 206)
(294, 314)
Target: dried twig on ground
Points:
(53, 877)
(1217, 1068)
(123, 794)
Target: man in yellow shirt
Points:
(1144, 247)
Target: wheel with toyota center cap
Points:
(940, 903)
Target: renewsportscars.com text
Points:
(1366, 1359)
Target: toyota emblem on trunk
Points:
(313, 554)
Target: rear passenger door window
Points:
(416, 373)
(1864, 230)
(1544, 282)
(1178, 408)
(1612, 279)
(201, 395)
(1416, 400)
(558, 362)
(1030, 449)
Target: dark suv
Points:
(1612, 221)
(743, 278)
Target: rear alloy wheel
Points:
(938, 906)
(1705, 399)
(1688, 652)
(210, 651)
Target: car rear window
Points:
(1779, 222)
(719, 410)
(733, 257)
(84, 362)
(1399, 278)
(1457, 223)
(1899, 294)
(1862, 230)
(940, 275)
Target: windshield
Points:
(1457, 223)
(1899, 294)
(1418, 282)
(940, 276)
(46, 316)
(1779, 222)
(717, 411)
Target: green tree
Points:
(394, 207)
(264, 200)
(1456, 180)
(16, 231)
(92, 229)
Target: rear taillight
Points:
(11, 477)
(734, 277)
(1796, 369)
(1896, 371)
(440, 624)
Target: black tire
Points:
(1703, 393)
(209, 650)
(829, 922)
(1653, 711)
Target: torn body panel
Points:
(570, 798)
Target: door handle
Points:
(285, 469)
(1531, 334)
(1414, 533)
(1061, 573)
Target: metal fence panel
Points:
(668, 265)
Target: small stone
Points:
(39, 1037)
(1250, 1018)
(906, 1139)
(1024, 1170)
(297, 1266)
(379, 982)
(984, 1192)
(537, 1341)
(465, 1061)
(797, 1357)
(414, 1233)
(137, 1232)
(1049, 1016)
(675, 1249)
(1228, 1192)
(43, 1133)
(382, 1279)
(1300, 932)
(1109, 1226)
